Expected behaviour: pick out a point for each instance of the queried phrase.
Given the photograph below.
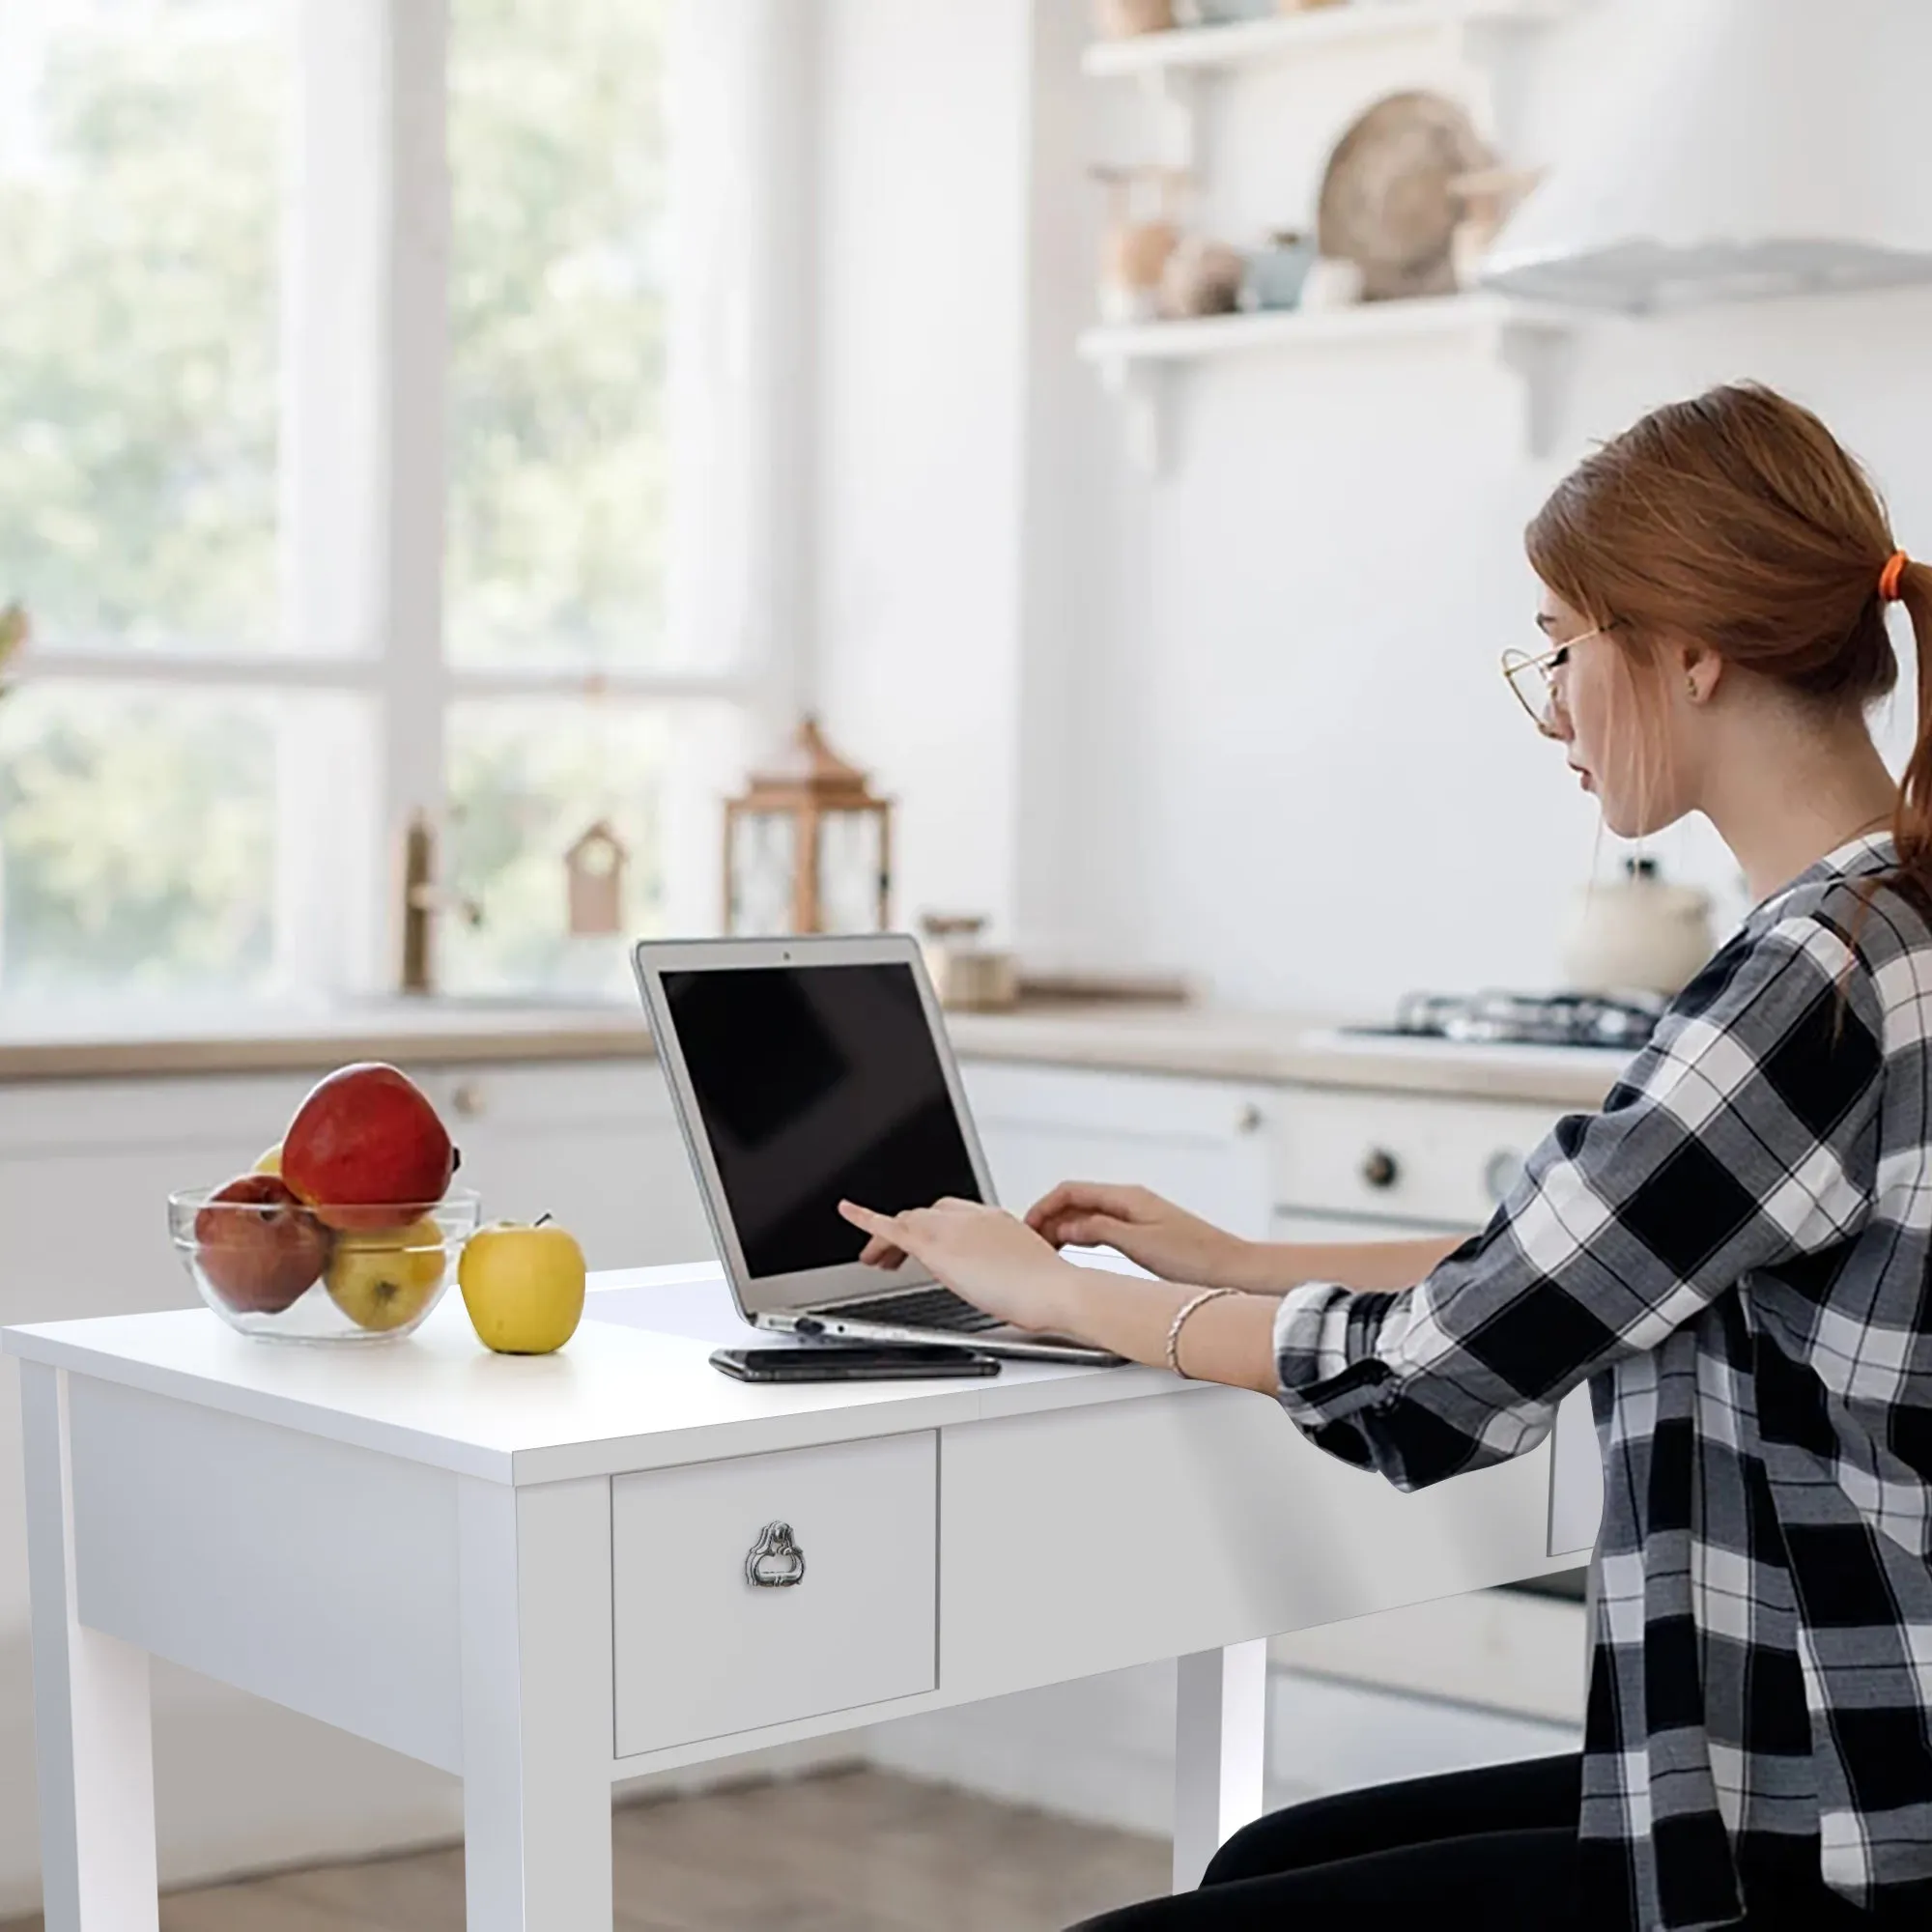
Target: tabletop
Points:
(632, 1390)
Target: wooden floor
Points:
(857, 1851)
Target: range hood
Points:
(1749, 148)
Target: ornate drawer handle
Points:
(776, 1561)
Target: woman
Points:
(1733, 1254)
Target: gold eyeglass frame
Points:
(1514, 662)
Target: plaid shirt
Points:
(1733, 1254)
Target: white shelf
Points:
(1284, 329)
(1137, 362)
(1248, 41)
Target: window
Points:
(139, 222)
(557, 524)
(337, 482)
(139, 830)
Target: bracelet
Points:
(1181, 1321)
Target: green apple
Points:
(522, 1286)
(382, 1278)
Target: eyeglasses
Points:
(1533, 678)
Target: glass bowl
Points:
(294, 1273)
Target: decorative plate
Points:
(1389, 202)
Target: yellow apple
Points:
(522, 1286)
(384, 1277)
(269, 1162)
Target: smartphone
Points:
(888, 1362)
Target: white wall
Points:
(1254, 707)
(916, 490)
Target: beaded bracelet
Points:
(1180, 1322)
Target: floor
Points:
(858, 1851)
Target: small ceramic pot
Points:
(1638, 935)
(1277, 274)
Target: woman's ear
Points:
(1702, 670)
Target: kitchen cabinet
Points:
(1204, 1144)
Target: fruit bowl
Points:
(277, 1267)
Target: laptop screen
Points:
(816, 1084)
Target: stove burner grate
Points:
(1527, 1019)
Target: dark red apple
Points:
(365, 1143)
(258, 1245)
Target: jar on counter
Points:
(967, 976)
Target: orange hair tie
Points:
(1891, 579)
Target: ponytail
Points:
(1911, 584)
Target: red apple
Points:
(258, 1245)
(364, 1144)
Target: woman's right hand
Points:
(1165, 1239)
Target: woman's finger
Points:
(886, 1226)
(880, 1253)
(1092, 1231)
(1050, 1207)
(1082, 1197)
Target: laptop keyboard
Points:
(919, 1308)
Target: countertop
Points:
(1186, 1041)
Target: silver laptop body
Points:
(786, 1088)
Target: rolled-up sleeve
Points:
(1744, 1136)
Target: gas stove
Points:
(1521, 1019)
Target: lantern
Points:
(807, 848)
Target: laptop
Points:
(807, 1071)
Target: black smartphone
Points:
(888, 1362)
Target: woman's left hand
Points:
(993, 1259)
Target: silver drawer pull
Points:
(776, 1561)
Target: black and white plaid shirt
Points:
(1733, 1254)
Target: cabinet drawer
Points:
(858, 1627)
(1404, 1158)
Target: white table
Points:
(533, 1573)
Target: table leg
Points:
(537, 1736)
(91, 1719)
(1220, 1736)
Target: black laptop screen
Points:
(813, 1084)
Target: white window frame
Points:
(365, 361)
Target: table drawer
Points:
(1404, 1158)
(703, 1651)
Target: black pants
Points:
(1493, 1848)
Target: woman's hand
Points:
(1165, 1239)
(985, 1254)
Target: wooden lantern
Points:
(808, 847)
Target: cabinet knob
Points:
(1501, 1173)
(1381, 1169)
(776, 1562)
(1250, 1119)
(468, 1102)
